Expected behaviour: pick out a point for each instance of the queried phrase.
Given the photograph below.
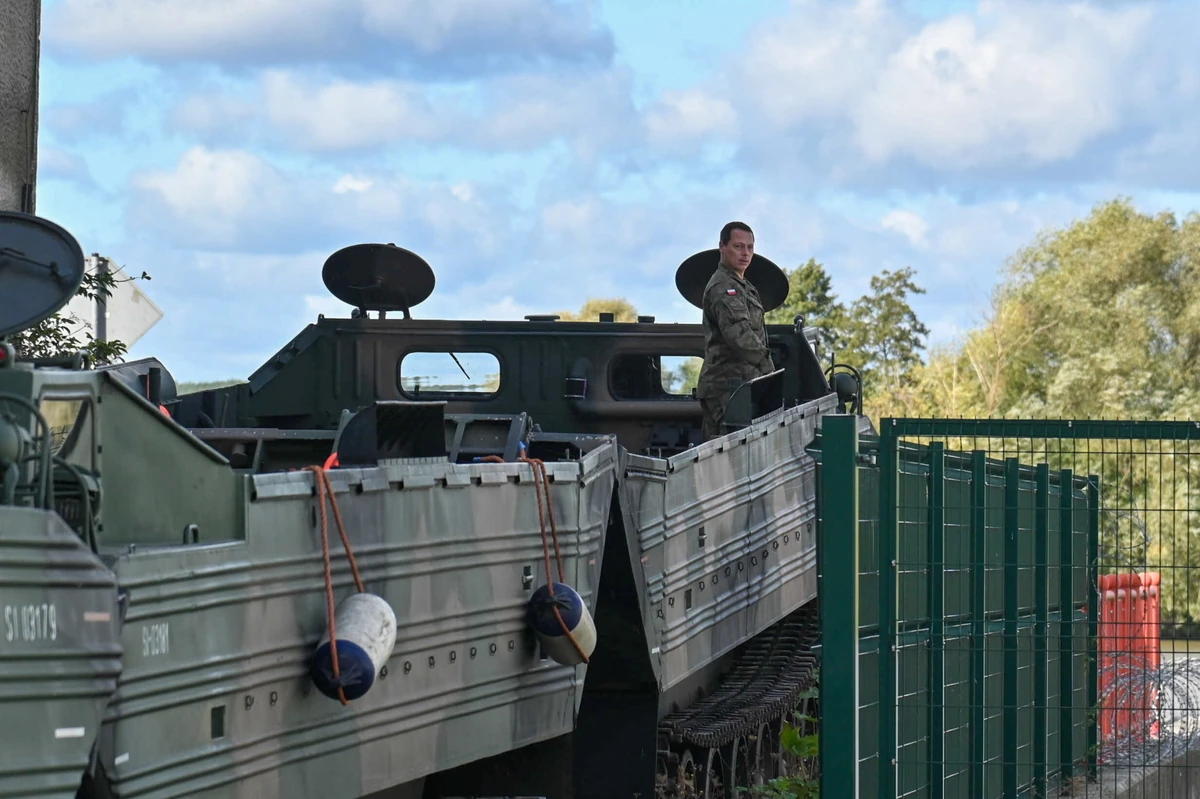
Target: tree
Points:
(880, 334)
(591, 310)
(884, 333)
(684, 377)
(64, 334)
(193, 387)
(1098, 319)
(679, 374)
(810, 294)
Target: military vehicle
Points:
(679, 629)
(60, 612)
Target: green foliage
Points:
(885, 335)
(591, 310)
(683, 377)
(879, 334)
(1098, 319)
(811, 295)
(192, 388)
(679, 374)
(63, 335)
(800, 744)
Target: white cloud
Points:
(432, 27)
(811, 64)
(215, 193)
(315, 305)
(255, 274)
(690, 113)
(570, 218)
(591, 109)
(236, 201)
(104, 116)
(857, 93)
(215, 112)
(343, 114)
(863, 93)
(908, 224)
(455, 35)
(353, 183)
(263, 231)
(171, 29)
(54, 162)
(302, 111)
(1021, 82)
(464, 304)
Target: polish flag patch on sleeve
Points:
(731, 292)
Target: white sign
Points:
(130, 312)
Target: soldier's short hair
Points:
(727, 231)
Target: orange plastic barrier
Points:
(1130, 652)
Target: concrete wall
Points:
(20, 29)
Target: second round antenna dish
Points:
(378, 277)
(693, 274)
(41, 269)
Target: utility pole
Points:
(20, 52)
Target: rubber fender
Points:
(539, 614)
(366, 635)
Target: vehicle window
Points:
(71, 428)
(680, 373)
(638, 376)
(473, 373)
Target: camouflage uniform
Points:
(735, 343)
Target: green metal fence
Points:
(964, 581)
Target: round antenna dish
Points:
(693, 274)
(378, 277)
(41, 269)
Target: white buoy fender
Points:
(366, 634)
(539, 613)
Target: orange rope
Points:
(541, 481)
(325, 487)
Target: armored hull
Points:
(725, 538)
(216, 698)
(577, 462)
(60, 652)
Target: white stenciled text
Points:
(30, 623)
(156, 640)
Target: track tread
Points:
(774, 670)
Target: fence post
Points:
(937, 619)
(1041, 649)
(1012, 519)
(839, 606)
(1093, 624)
(978, 617)
(1066, 624)
(889, 499)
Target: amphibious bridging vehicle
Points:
(60, 613)
(684, 571)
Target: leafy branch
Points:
(800, 750)
(63, 334)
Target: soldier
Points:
(735, 335)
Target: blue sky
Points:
(540, 152)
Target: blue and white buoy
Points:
(539, 613)
(366, 634)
